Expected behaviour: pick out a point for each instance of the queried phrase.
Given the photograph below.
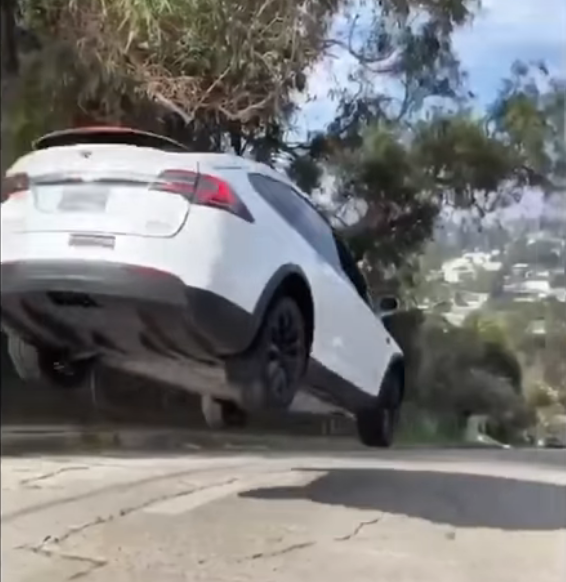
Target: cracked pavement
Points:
(407, 516)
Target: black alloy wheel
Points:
(269, 374)
(285, 354)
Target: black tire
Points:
(269, 374)
(34, 364)
(222, 414)
(377, 424)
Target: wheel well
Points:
(296, 287)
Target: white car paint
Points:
(205, 247)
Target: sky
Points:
(502, 32)
(509, 30)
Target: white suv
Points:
(206, 271)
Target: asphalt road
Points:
(402, 516)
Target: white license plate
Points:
(84, 199)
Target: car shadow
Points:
(459, 500)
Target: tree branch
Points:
(382, 64)
(168, 104)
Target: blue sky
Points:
(504, 31)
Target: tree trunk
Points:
(8, 38)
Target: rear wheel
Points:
(268, 375)
(222, 414)
(36, 364)
(377, 424)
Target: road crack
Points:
(91, 564)
(32, 481)
(281, 552)
(50, 546)
(358, 529)
(9, 517)
(129, 510)
(311, 543)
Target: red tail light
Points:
(204, 190)
(14, 184)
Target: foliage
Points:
(530, 115)
(456, 372)
(541, 395)
(489, 327)
(217, 63)
(226, 76)
(230, 70)
(539, 348)
(405, 175)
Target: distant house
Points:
(525, 283)
(556, 428)
(456, 270)
(467, 266)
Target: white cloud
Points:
(527, 21)
(506, 26)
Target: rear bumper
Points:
(96, 278)
(219, 326)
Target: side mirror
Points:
(387, 305)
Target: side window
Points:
(273, 192)
(318, 232)
(351, 269)
(299, 214)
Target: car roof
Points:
(221, 161)
(127, 135)
(132, 136)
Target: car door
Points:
(374, 346)
(350, 337)
(342, 338)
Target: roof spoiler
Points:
(108, 135)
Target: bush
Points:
(455, 372)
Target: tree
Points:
(225, 70)
(9, 49)
(400, 176)
(534, 336)
(498, 355)
(224, 73)
(460, 373)
(224, 76)
(530, 114)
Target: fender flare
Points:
(270, 290)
